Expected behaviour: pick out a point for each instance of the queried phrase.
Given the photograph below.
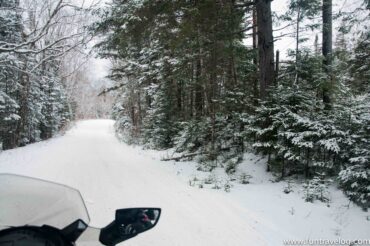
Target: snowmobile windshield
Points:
(30, 201)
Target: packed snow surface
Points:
(112, 175)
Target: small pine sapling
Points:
(288, 188)
(316, 189)
(244, 178)
(227, 186)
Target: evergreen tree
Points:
(354, 177)
(186, 80)
(301, 11)
(33, 100)
(360, 69)
(10, 74)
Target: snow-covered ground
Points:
(113, 175)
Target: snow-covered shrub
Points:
(316, 189)
(210, 179)
(355, 176)
(231, 164)
(284, 130)
(355, 180)
(193, 181)
(227, 186)
(214, 180)
(215, 141)
(125, 129)
(288, 188)
(158, 126)
(244, 178)
(216, 185)
(192, 136)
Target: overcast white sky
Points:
(281, 6)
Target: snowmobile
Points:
(36, 212)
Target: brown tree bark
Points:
(255, 56)
(198, 90)
(327, 49)
(179, 99)
(277, 65)
(265, 46)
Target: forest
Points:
(43, 69)
(203, 78)
(36, 41)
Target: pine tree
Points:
(360, 68)
(33, 101)
(192, 56)
(354, 178)
(301, 10)
(186, 80)
(11, 32)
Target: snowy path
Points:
(112, 175)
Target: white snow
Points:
(112, 175)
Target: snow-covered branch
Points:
(51, 16)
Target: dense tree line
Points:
(35, 37)
(186, 80)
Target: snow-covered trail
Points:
(112, 175)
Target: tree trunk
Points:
(327, 44)
(265, 46)
(307, 166)
(179, 100)
(198, 90)
(277, 65)
(23, 110)
(297, 46)
(316, 45)
(255, 58)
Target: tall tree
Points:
(327, 50)
(265, 46)
(35, 37)
(255, 54)
(10, 73)
(304, 12)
